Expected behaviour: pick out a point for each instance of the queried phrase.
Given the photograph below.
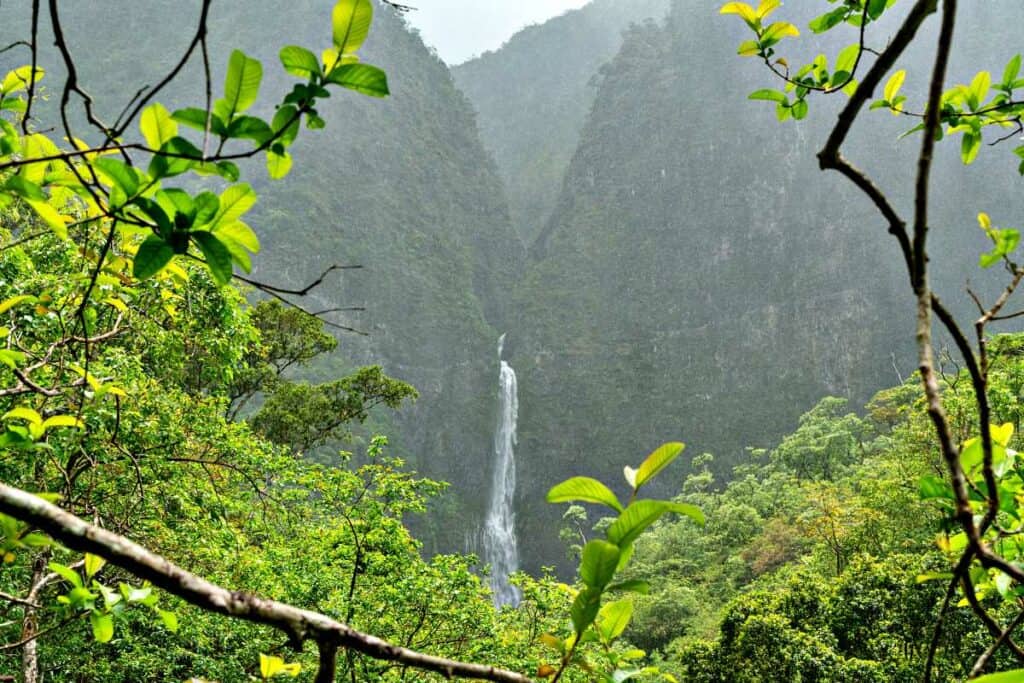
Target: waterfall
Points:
(499, 536)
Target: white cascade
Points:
(499, 534)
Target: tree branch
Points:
(299, 624)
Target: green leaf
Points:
(1011, 71)
(11, 358)
(278, 165)
(876, 7)
(19, 78)
(24, 188)
(157, 126)
(66, 573)
(102, 626)
(62, 421)
(748, 48)
(971, 455)
(584, 489)
(8, 304)
(363, 78)
(969, 147)
(23, 413)
(584, 609)
(846, 58)
(93, 564)
(152, 256)
(657, 461)
(185, 156)
(286, 122)
(828, 20)
(893, 85)
(598, 563)
(931, 486)
(234, 202)
(687, 510)
(207, 204)
(642, 514)
(242, 82)
(800, 109)
(778, 31)
(768, 94)
(170, 620)
(250, 127)
(196, 118)
(119, 174)
(299, 61)
(613, 619)
(350, 24)
(50, 216)
(978, 89)
(218, 258)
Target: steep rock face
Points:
(700, 279)
(533, 95)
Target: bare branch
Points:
(299, 624)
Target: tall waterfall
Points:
(499, 537)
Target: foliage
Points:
(979, 490)
(593, 618)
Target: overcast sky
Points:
(461, 29)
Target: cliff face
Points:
(533, 96)
(701, 280)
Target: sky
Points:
(460, 29)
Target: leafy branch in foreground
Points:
(298, 624)
(983, 481)
(593, 619)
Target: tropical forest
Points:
(654, 341)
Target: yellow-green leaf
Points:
(157, 125)
(780, 30)
(766, 7)
(1002, 434)
(745, 11)
(350, 24)
(583, 489)
(93, 564)
(50, 216)
(613, 619)
(62, 421)
(657, 461)
(234, 202)
(894, 84)
(8, 304)
(23, 413)
(20, 78)
(271, 666)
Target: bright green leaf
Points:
(363, 78)
(152, 256)
(350, 24)
(598, 563)
(102, 626)
(657, 461)
(584, 489)
(299, 61)
(242, 82)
